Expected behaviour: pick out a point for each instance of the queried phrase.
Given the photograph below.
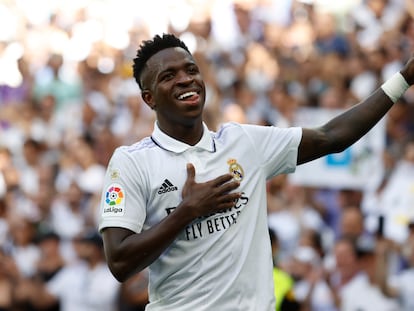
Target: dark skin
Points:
(171, 73)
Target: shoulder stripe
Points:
(145, 143)
(221, 130)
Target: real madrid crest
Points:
(235, 169)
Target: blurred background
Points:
(68, 99)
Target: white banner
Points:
(359, 167)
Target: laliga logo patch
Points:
(114, 201)
(235, 169)
(114, 196)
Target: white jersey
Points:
(218, 262)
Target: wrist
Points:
(406, 73)
(184, 214)
(395, 87)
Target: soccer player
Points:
(190, 203)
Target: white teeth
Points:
(188, 94)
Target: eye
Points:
(193, 70)
(167, 76)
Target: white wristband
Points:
(395, 87)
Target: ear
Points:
(148, 99)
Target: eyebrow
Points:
(173, 68)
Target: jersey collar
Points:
(167, 142)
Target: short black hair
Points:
(150, 47)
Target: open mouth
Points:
(188, 95)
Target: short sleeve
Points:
(276, 148)
(123, 196)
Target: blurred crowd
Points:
(68, 99)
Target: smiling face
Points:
(174, 88)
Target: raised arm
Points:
(128, 252)
(345, 129)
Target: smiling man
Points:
(190, 203)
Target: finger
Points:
(228, 187)
(190, 172)
(230, 197)
(224, 206)
(190, 179)
(228, 201)
(222, 180)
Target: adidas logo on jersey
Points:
(167, 186)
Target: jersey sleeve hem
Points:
(120, 224)
(294, 149)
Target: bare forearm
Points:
(128, 252)
(349, 127)
(345, 129)
(135, 252)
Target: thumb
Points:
(190, 179)
(190, 172)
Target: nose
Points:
(184, 78)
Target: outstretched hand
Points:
(201, 199)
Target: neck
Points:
(190, 135)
